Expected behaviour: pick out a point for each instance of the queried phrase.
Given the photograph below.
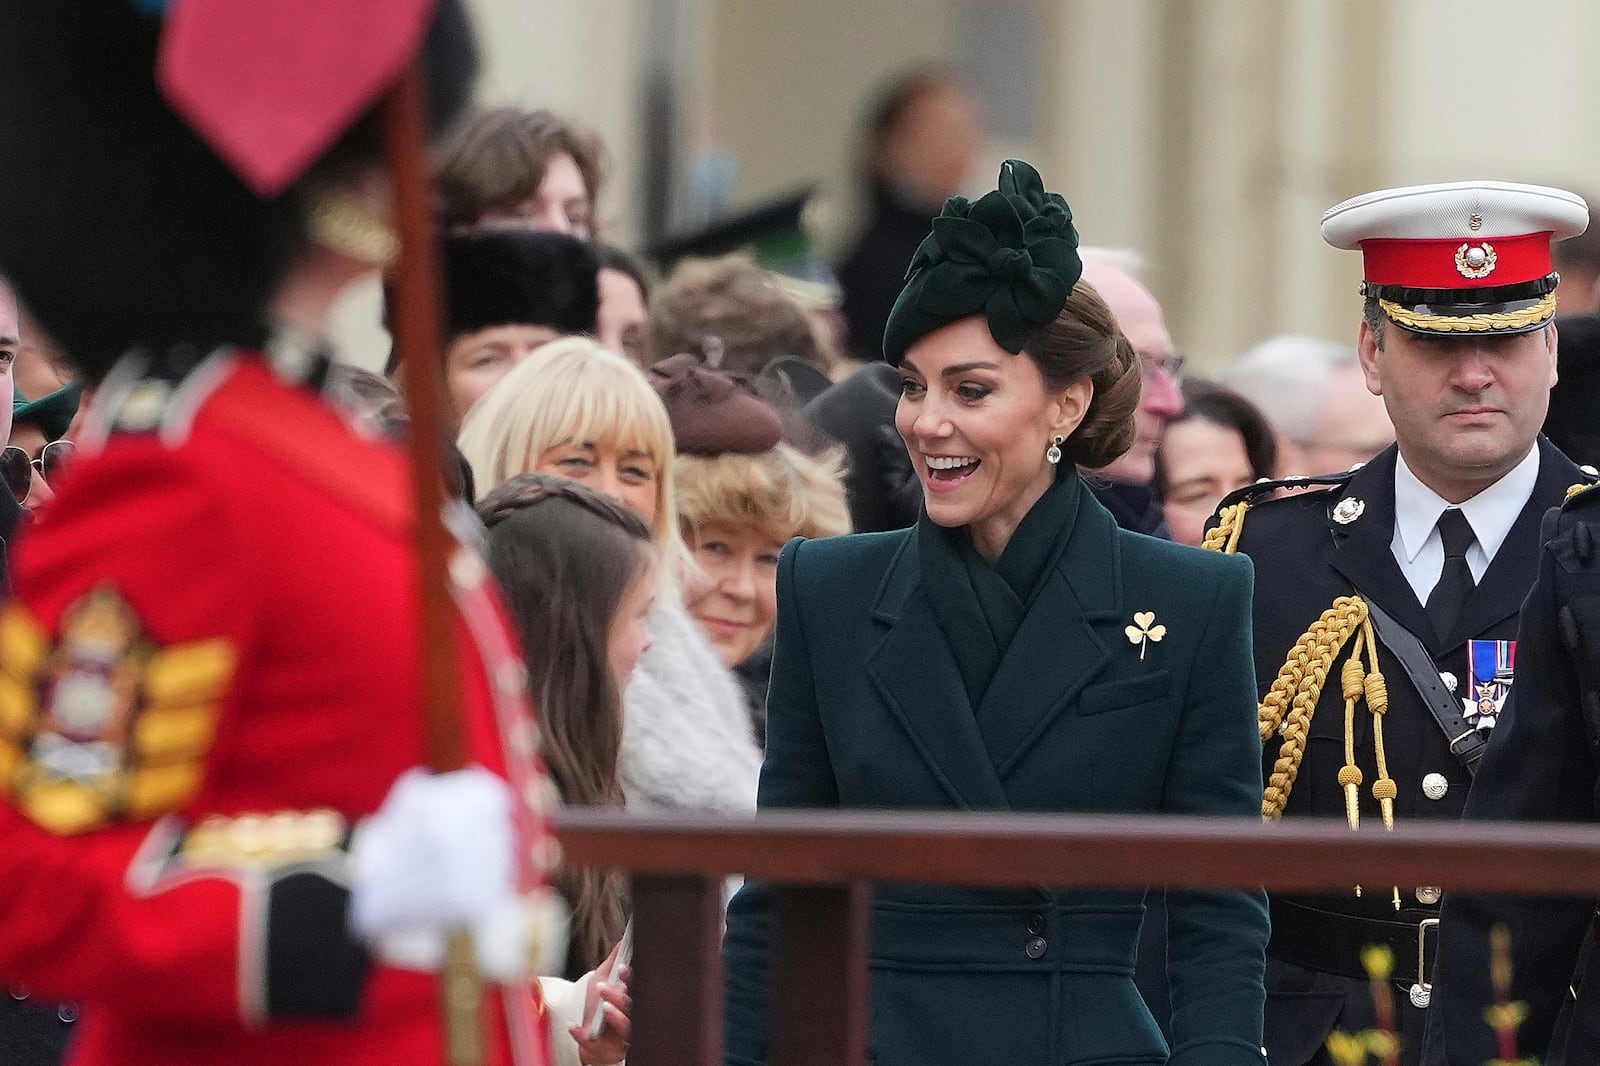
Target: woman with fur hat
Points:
(1015, 650)
(742, 493)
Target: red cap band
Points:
(1472, 263)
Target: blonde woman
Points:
(578, 410)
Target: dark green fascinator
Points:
(1011, 255)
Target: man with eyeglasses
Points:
(1410, 569)
(1129, 496)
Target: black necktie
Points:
(1449, 596)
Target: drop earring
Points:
(1052, 454)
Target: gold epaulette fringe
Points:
(1224, 536)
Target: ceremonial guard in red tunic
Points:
(216, 838)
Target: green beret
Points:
(1012, 256)
(52, 413)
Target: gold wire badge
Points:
(1475, 260)
(104, 724)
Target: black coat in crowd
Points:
(1541, 765)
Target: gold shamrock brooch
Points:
(1144, 631)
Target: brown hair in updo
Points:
(1084, 342)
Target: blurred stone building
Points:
(1209, 135)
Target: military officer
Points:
(1542, 764)
(1402, 577)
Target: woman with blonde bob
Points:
(742, 493)
(580, 411)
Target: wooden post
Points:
(677, 971)
(819, 975)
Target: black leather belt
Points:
(1332, 942)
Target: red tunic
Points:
(217, 616)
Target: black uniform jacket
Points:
(868, 709)
(1540, 766)
(1305, 558)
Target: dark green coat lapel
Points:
(915, 673)
(1054, 653)
(1056, 650)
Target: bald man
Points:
(1130, 497)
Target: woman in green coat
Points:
(1015, 650)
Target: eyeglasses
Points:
(1171, 365)
(17, 468)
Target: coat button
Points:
(67, 1012)
(19, 992)
(1429, 894)
(1434, 786)
(1035, 924)
(1449, 680)
(1035, 947)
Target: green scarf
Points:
(980, 606)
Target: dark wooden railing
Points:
(827, 861)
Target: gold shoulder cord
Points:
(1292, 699)
(1224, 537)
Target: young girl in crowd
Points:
(580, 411)
(578, 572)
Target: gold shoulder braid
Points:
(1292, 699)
(1224, 536)
(1290, 702)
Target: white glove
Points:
(517, 938)
(437, 855)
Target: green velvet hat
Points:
(52, 412)
(1011, 256)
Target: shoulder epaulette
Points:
(1593, 479)
(1229, 518)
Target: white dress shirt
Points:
(1491, 513)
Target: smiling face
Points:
(733, 591)
(977, 421)
(624, 472)
(1466, 409)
